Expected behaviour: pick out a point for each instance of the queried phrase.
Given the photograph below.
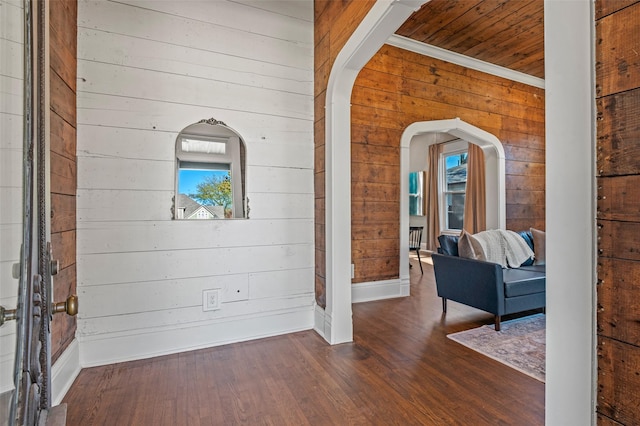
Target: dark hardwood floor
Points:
(400, 370)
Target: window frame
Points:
(419, 194)
(451, 149)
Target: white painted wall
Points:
(146, 70)
(11, 113)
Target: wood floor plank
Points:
(400, 369)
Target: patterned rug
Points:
(520, 343)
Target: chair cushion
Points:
(535, 268)
(449, 244)
(519, 282)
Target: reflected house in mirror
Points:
(188, 208)
(210, 172)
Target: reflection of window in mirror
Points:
(416, 188)
(210, 172)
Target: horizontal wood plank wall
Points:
(145, 73)
(618, 210)
(11, 139)
(397, 88)
(334, 22)
(63, 32)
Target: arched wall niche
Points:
(437, 131)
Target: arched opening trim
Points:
(494, 161)
(334, 322)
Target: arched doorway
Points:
(495, 168)
(570, 349)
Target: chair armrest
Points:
(471, 282)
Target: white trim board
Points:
(65, 371)
(384, 17)
(322, 322)
(121, 347)
(380, 290)
(463, 60)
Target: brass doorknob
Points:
(7, 315)
(70, 306)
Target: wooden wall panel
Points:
(618, 133)
(618, 381)
(606, 7)
(63, 35)
(619, 198)
(334, 22)
(606, 421)
(431, 90)
(618, 210)
(618, 281)
(397, 88)
(619, 239)
(617, 59)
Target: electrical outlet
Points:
(211, 299)
(353, 271)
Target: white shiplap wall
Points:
(146, 70)
(11, 113)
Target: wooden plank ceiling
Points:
(509, 33)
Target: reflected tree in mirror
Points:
(210, 172)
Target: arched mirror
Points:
(210, 172)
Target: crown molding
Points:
(463, 60)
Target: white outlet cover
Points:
(211, 299)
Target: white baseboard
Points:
(379, 290)
(120, 347)
(64, 372)
(321, 322)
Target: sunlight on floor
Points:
(424, 257)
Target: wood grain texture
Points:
(607, 7)
(618, 171)
(618, 133)
(606, 421)
(618, 240)
(619, 198)
(509, 34)
(618, 51)
(63, 35)
(618, 380)
(63, 212)
(618, 282)
(400, 369)
(63, 16)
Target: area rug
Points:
(520, 343)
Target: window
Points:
(209, 172)
(453, 180)
(416, 188)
